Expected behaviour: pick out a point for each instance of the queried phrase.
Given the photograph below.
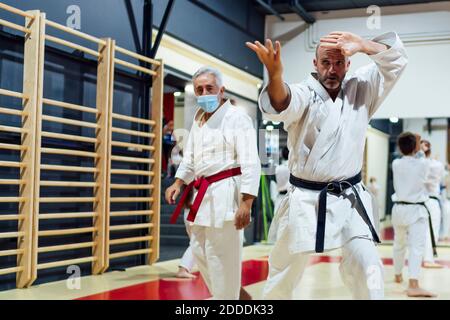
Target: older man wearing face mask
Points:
(222, 166)
(326, 118)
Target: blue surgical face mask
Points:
(209, 103)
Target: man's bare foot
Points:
(244, 295)
(398, 278)
(184, 273)
(419, 292)
(432, 265)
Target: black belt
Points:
(336, 188)
(433, 242)
(435, 198)
(283, 192)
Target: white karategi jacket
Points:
(227, 140)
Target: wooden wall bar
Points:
(146, 143)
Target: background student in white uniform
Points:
(445, 230)
(279, 187)
(374, 189)
(409, 213)
(435, 175)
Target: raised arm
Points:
(271, 58)
(279, 101)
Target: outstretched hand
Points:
(269, 55)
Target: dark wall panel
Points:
(212, 33)
(219, 27)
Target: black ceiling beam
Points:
(162, 28)
(298, 9)
(269, 8)
(147, 29)
(133, 25)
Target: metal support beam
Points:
(133, 25)
(269, 8)
(147, 34)
(298, 9)
(162, 28)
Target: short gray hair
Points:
(209, 70)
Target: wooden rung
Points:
(131, 213)
(68, 168)
(132, 159)
(68, 184)
(11, 181)
(13, 252)
(10, 217)
(14, 94)
(12, 164)
(16, 11)
(70, 152)
(10, 270)
(13, 129)
(133, 132)
(68, 137)
(13, 112)
(66, 247)
(14, 26)
(49, 265)
(137, 56)
(131, 226)
(132, 186)
(133, 172)
(132, 145)
(12, 199)
(12, 146)
(70, 121)
(47, 216)
(63, 232)
(130, 240)
(131, 199)
(72, 45)
(67, 199)
(6, 235)
(69, 106)
(129, 253)
(135, 67)
(133, 119)
(74, 32)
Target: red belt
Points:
(202, 185)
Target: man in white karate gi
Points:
(326, 118)
(435, 175)
(222, 166)
(410, 214)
